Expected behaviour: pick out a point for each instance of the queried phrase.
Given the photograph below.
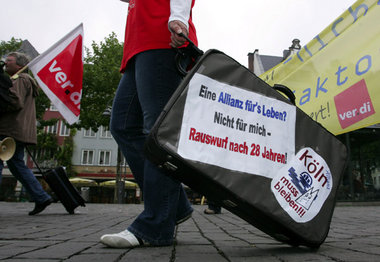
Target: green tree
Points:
(101, 77)
(65, 152)
(42, 104)
(9, 46)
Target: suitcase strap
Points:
(34, 160)
(190, 52)
(286, 91)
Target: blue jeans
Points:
(149, 81)
(23, 174)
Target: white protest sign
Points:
(303, 185)
(236, 129)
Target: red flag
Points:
(59, 72)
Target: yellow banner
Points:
(336, 76)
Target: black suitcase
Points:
(231, 137)
(64, 190)
(59, 183)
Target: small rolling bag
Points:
(59, 183)
(230, 136)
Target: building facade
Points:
(95, 154)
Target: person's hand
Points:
(176, 27)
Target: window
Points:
(105, 158)
(65, 131)
(89, 133)
(123, 161)
(53, 108)
(104, 132)
(52, 129)
(87, 157)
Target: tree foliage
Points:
(101, 77)
(42, 104)
(9, 46)
(50, 155)
(65, 152)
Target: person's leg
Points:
(156, 79)
(1, 162)
(23, 174)
(213, 208)
(148, 83)
(126, 123)
(126, 127)
(183, 210)
(1, 170)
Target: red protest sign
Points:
(59, 72)
(63, 75)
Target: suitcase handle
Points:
(285, 90)
(191, 51)
(34, 160)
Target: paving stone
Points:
(54, 235)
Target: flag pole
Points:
(15, 76)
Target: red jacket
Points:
(147, 28)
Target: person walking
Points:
(19, 122)
(149, 79)
(212, 208)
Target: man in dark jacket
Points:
(19, 122)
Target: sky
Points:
(235, 27)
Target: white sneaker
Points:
(123, 239)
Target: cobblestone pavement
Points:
(54, 235)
